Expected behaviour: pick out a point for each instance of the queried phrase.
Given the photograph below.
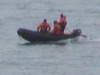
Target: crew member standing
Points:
(62, 22)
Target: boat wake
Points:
(44, 43)
(96, 40)
(86, 40)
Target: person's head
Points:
(55, 22)
(61, 15)
(44, 20)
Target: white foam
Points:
(98, 40)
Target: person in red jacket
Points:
(62, 22)
(57, 28)
(44, 26)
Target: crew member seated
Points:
(57, 28)
(44, 27)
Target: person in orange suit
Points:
(57, 28)
(62, 22)
(44, 26)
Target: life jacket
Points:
(44, 27)
(62, 21)
(56, 29)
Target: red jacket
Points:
(56, 29)
(44, 27)
(62, 20)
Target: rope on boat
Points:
(69, 30)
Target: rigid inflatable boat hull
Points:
(32, 36)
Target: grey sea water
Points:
(67, 57)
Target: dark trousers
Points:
(63, 25)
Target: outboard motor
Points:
(77, 32)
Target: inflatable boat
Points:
(35, 36)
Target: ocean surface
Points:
(80, 56)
